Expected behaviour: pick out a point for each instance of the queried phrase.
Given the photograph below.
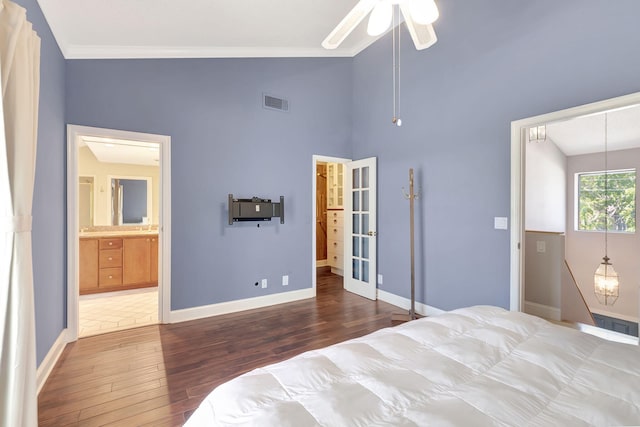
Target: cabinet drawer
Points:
(110, 276)
(335, 259)
(110, 258)
(335, 222)
(334, 232)
(115, 243)
(335, 246)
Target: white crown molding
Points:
(176, 52)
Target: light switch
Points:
(541, 246)
(500, 223)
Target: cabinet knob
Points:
(335, 243)
(335, 221)
(335, 230)
(110, 258)
(335, 257)
(110, 276)
(110, 243)
(147, 240)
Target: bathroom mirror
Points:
(130, 200)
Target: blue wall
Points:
(495, 61)
(49, 199)
(223, 142)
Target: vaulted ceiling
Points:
(199, 28)
(258, 28)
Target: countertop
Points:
(117, 233)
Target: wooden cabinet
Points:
(88, 265)
(335, 185)
(140, 260)
(115, 263)
(154, 259)
(110, 263)
(137, 260)
(335, 253)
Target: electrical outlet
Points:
(379, 279)
(285, 280)
(264, 283)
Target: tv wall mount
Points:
(255, 209)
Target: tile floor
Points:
(114, 311)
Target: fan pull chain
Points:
(396, 64)
(393, 61)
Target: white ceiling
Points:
(585, 135)
(199, 28)
(108, 150)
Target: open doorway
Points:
(118, 230)
(559, 213)
(328, 209)
(351, 223)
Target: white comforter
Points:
(479, 366)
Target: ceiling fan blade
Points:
(348, 23)
(423, 36)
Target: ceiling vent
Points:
(275, 103)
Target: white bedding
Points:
(478, 366)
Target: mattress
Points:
(480, 366)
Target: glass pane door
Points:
(360, 231)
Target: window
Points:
(616, 208)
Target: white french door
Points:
(360, 227)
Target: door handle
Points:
(372, 233)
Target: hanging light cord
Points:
(606, 191)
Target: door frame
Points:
(518, 141)
(74, 133)
(316, 158)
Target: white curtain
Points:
(20, 74)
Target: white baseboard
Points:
(337, 271)
(405, 303)
(50, 360)
(322, 263)
(239, 305)
(541, 310)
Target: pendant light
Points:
(606, 281)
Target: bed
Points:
(480, 366)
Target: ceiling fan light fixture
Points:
(380, 18)
(424, 12)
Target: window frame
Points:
(577, 199)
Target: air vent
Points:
(275, 103)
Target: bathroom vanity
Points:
(117, 260)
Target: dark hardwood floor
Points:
(157, 375)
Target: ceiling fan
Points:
(418, 16)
